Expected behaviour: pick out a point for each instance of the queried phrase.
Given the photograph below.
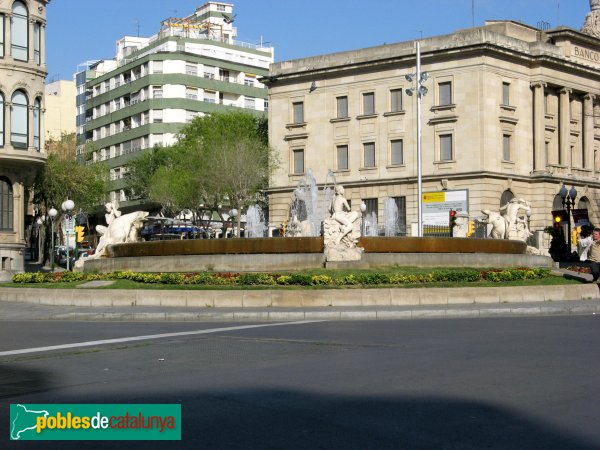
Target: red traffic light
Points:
(452, 218)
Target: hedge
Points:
(271, 279)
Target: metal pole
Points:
(52, 253)
(568, 227)
(419, 161)
(67, 224)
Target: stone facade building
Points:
(193, 66)
(22, 74)
(511, 111)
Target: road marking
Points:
(149, 336)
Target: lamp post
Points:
(67, 207)
(52, 213)
(568, 201)
(421, 91)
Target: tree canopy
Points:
(218, 158)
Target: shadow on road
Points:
(284, 419)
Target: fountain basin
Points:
(289, 254)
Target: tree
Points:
(231, 153)
(64, 178)
(218, 158)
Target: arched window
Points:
(18, 31)
(506, 197)
(6, 205)
(18, 125)
(583, 203)
(1, 119)
(37, 106)
(557, 203)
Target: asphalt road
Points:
(518, 383)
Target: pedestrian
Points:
(594, 254)
(584, 241)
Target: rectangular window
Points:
(209, 72)
(397, 149)
(369, 103)
(445, 93)
(210, 96)
(191, 69)
(369, 154)
(342, 157)
(396, 100)
(157, 116)
(298, 112)
(249, 103)
(298, 161)
(1, 35)
(446, 147)
(506, 147)
(157, 92)
(506, 93)
(342, 107)
(157, 67)
(372, 208)
(191, 93)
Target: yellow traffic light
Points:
(79, 230)
(471, 230)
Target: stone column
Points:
(42, 44)
(30, 43)
(564, 128)
(7, 122)
(588, 132)
(539, 119)
(30, 146)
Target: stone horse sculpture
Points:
(122, 229)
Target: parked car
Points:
(60, 256)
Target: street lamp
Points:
(67, 207)
(568, 201)
(420, 91)
(52, 213)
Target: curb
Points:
(338, 314)
(271, 298)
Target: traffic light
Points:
(79, 230)
(471, 230)
(452, 218)
(558, 217)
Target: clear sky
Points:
(81, 30)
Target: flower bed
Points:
(298, 279)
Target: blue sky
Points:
(80, 30)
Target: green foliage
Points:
(60, 179)
(298, 279)
(142, 168)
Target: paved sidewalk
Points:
(11, 311)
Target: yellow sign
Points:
(434, 197)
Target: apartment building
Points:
(60, 109)
(22, 73)
(511, 111)
(193, 66)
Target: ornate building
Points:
(22, 74)
(511, 111)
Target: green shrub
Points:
(256, 279)
(301, 279)
(321, 280)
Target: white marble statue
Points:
(461, 228)
(513, 224)
(122, 228)
(112, 212)
(591, 25)
(342, 230)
